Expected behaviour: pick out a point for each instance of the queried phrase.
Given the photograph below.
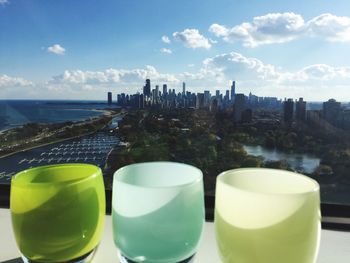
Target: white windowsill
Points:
(335, 246)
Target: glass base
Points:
(83, 259)
(126, 260)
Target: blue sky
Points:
(82, 49)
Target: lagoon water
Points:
(15, 113)
(305, 163)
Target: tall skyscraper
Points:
(288, 110)
(147, 88)
(239, 107)
(109, 97)
(227, 95)
(331, 111)
(217, 94)
(207, 96)
(157, 92)
(233, 91)
(300, 110)
(165, 90)
(183, 88)
(200, 100)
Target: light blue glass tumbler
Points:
(158, 212)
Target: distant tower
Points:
(200, 100)
(147, 88)
(165, 90)
(207, 96)
(331, 111)
(217, 94)
(288, 109)
(233, 91)
(300, 110)
(183, 88)
(157, 92)
(109, 96)
(239, 107)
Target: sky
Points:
(65, 49)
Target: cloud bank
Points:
(284, 27)
(313, 82)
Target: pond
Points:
(304, 163)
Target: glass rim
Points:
(315, 188)
(15, 179)
(199, 177)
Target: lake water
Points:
(15, 113)
(305, 163)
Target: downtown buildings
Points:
(265, 109)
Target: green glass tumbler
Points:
(58, 212)
(158, 212)
(267, 216)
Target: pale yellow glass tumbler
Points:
(267, 216)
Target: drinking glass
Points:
(158, 212)
(267, 216)
(58, 212)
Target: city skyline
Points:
(81, 50)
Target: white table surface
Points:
(335, 245)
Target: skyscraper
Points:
(147, 88)
(165, 90)
(239, 107)
(207, 98)
(109, 97)
(183, 88)
(331, 111)
(233, 91)
(217, 94)
(288, 109)
(157, 92)
(300, 110)
(200, 100)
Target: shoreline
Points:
(104, 112)
(108, 114)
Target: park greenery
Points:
(214, 143)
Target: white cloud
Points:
(4, 2)
(318, 81)
(330, 27)
(56, 49)
(166, 39)
(166, 50)
(313, 82)
(284, 27)
(113, 76)
(9, 82)
(191, 38)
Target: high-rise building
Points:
(165, 90)
(157, 92)
(183, 88)
(233, 91)
(300, 110)
(239, 107)
(147, 88)
(227, 95)
(288, 110)
(109, 96)
(142, 101)
(331, 111)
(200, 101)
(217, 94)
(207, 96)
